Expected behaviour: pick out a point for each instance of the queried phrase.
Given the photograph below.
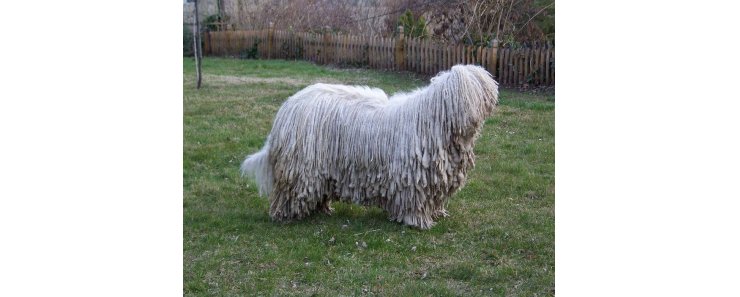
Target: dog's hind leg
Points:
(402, 209)
(325, 207)
(439, 209)
(418, 220)
(287, 205)
(440, 213)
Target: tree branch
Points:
(541, 10)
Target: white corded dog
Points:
(406, 154)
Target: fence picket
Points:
(510, 64)
(387, 50)
(545, 65)
(502, 63)
(388, 54)
(415, 49)
(540, 67)
(461, 54)
(430, 58)
(417, 57)
(553, 66)
(392, 53)
(423, 56)
(437, 58)
(407, 53)
(372, 52)
(468, 55)
(384, 56)
(525, 61)
(483, 57)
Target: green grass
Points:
(498, 241)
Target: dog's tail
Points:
(258, 167)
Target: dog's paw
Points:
(442, 213)
(326, 209)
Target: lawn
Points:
(499, 239)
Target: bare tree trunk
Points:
(197, 47)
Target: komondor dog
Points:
(406, 154)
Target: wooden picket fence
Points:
(513, 67)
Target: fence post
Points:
(400, 47)
(326, 46)
(270, 34)
(207, 43)
(493, 58)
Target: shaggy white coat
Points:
(406, 154)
